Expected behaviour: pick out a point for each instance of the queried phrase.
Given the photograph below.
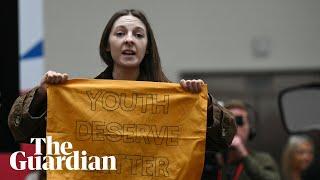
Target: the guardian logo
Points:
(60, 157)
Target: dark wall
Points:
(9, 69)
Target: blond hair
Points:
(292, 145)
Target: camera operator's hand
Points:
(238, 144)
(51, 77)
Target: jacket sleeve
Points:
(221, 126)
(22, 124)
(261, 167)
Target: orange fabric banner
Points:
(154, 130)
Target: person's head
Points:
(240, 112)
(297, 154)
(128, 42)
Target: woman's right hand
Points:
(51, 77)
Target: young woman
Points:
(129, 49)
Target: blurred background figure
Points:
(240, 162)
(297, 157)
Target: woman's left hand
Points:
(194, 86)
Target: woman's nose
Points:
(129, 38)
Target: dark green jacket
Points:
(256, 166)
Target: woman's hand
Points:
(51, 77)
(194, 86)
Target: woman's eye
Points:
(119, 34)
(139, 35)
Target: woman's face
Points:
(303, 156)
(128, 42)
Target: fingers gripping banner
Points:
(154, 130)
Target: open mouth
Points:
(128, 52)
